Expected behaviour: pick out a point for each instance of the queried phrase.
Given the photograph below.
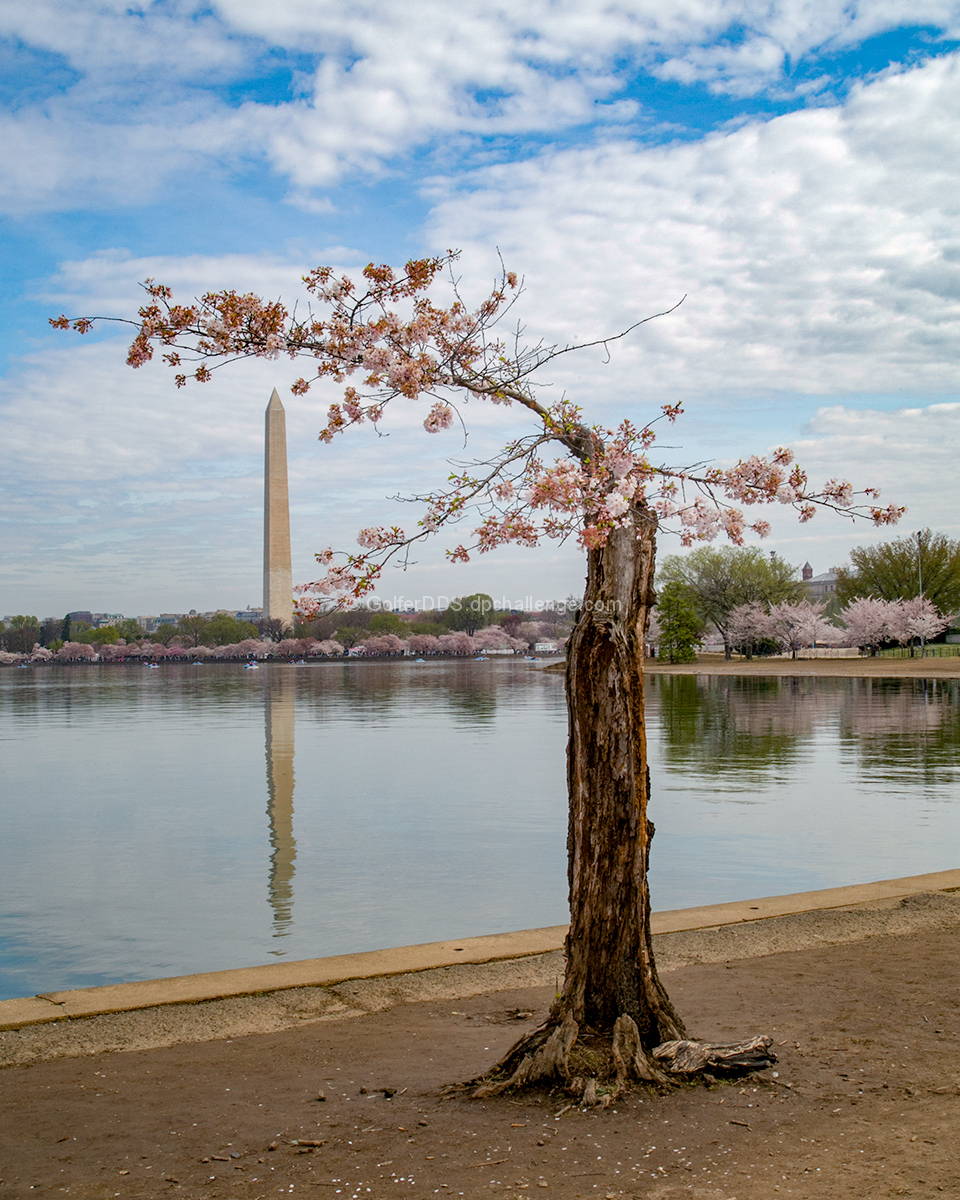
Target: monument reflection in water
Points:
(280, 720)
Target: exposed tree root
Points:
(543, 1054)
(597, 1069)
(693, 1058)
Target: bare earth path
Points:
(865, 1012)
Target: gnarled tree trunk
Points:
(610, 964)
(613, 1011)
(612, 996)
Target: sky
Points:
(791, 169)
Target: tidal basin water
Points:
(197, 818)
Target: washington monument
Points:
(277, 574)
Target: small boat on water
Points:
(250, 666)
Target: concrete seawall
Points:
(526, 944)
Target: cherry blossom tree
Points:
(654, 632)
(383, 643)
(423, 643)
(916, 618)
(456, 643)
(866, 622)
(328, 648)
(495, 637)
(76, 652)
(797, 624)
(387, 338)
(530, 632)
(748, 624)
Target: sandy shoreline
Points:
(340, 1091)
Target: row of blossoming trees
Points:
(492, 638)
(795, 625)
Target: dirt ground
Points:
(865, 1101)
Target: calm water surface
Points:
(198, 818)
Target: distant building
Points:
(86, 617)
(102, 619)
(545, 648)
(819, 587)
(170, 618)
(253, 615)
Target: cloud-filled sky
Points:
(792, 169)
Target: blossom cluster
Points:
(385, 338)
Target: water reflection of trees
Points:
(905, 732)
(749, 728)
(471, 692)
(731, 725)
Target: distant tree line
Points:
(896, 593)
(340, 632)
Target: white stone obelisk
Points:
(277, 573)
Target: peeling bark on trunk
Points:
(612, 999)
(613, 1018)
(610, 964)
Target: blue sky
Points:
(791, 168)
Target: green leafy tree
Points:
(105, 635)
(224, 630)
(720, 578)
(434, 628)
(389, 622)
(469, 613)
(681, 627)
(130, 630)
(165, 633)
(191, 630)
(893, 571)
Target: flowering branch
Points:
(386, 339)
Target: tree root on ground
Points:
(597, 1069)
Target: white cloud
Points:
(387, 78)
(821, 255)
(819, 252)
(122, 493)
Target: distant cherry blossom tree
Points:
(866, 622)
(456, 643)
(387, 339)
(328, 648)
(495, 637)
(747, 625)
(916, 618)
(423, 643)
(383, 643)
(76, 652)
(795, 625)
